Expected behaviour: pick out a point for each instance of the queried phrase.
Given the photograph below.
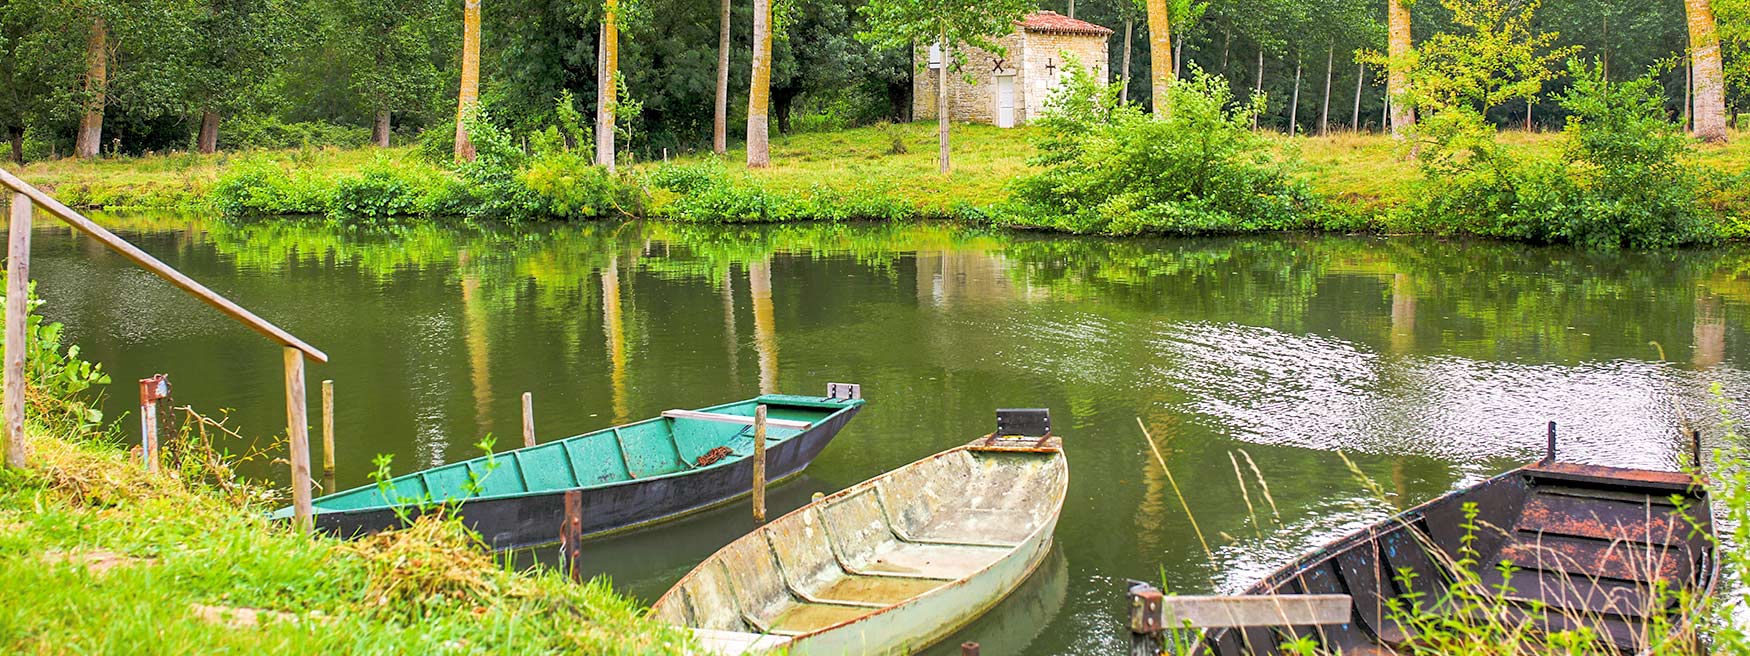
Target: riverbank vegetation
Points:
(101, 557)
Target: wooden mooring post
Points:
(759, 463)
(968, 649)
(571, 534)
(17, 306)
(328, 435)
(298, 432)
(528, 419)
(154, 392)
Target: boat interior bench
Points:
(871, 547)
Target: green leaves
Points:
(906, 23)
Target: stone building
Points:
(1010, 90)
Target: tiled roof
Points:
(1051, 21)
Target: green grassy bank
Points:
(870, 172)
(99, 557)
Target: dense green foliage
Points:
(708, 193)
(1625, 178)
(1112, 169)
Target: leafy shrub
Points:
(1625, 178)
(57, 376)
(260, 186)
(708, 193)
(1109, 168)
(384, 190)
(251, 131)
(566, 185)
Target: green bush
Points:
(566, 185)
(1109, 168)
(1626, 176)
(708, 193)
(57, 376)
(385, 190)
(250, 131)
(260, 186)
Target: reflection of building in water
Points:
(765, 331)
(1710, 331)
(943, 278)
(613, 325)
(1403, 313)
(474, 322)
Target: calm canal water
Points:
(1429, 363)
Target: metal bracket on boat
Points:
(1023, 422)
(844, 391)
(1549, 452)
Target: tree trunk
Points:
(1124, 79)
(16, 136)
(782, 100)
(469, 94)
(1360, 82)
(1688, 90)
(1294, 102)
(207, 140)
(1397, 81)
(1330, 71)
(1226, 42)
(1260, 87)
(90, 141)
(759, 92)
(942, 106)
(1178, 58)
(1528, 116)
(1160, 56)
(1709, 75)
(1072, 9)
(607, 93)
(380, 128)
(1124, 91)
(720, 121)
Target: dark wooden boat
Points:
(630, 476)
(1591, 547)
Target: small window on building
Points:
(935, 55)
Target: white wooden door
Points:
(1006, 101)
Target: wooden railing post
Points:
(528, 420)
(298, 431)
(17, 308)
(571, 534)
(328, 434)
(759, 463)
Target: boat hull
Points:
(914, 625)
(888, 566)
(1591, 547)
(534, 519)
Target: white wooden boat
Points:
(890, 565)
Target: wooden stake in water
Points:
(759, 463)
(528, 419)
(17, 306)
(328, 432)
(298, 431)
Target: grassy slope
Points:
(1359, 168)
(426, 590)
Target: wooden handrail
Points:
(162, 270)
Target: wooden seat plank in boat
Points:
(886, 566)
(628, 476)
(1588, 546)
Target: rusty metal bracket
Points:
(1145, 608)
